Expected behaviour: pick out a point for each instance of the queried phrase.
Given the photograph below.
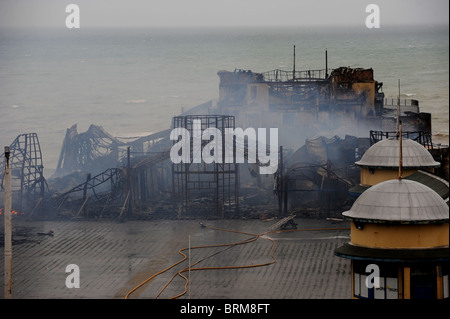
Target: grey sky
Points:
(148, 13)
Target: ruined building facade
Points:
(306, 103)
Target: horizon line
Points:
(225, 26)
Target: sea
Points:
(133, 81)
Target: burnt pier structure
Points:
(99, 175)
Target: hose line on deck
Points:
(253, 238)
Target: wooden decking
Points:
(115, 257)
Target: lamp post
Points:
(8, 227)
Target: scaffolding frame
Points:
(201, 188)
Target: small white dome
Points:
(385, 154)
(399, 200)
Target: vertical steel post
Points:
(189, 277)
(129, 182)
(398, 109)
(293, 71)
(281, 183)
(400, 157)
(8, 227)
(88, 178)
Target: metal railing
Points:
(406, 105)
(421, 137)
(403, 102)
(288, 76)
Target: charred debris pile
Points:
(326, 122)
(144, 183)
(311, 181)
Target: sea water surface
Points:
(133, 81)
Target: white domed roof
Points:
(385, 154)
(399, 200)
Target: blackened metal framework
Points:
(420, 137)
(201, 188)
(27, 170)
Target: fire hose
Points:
(253, 238)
